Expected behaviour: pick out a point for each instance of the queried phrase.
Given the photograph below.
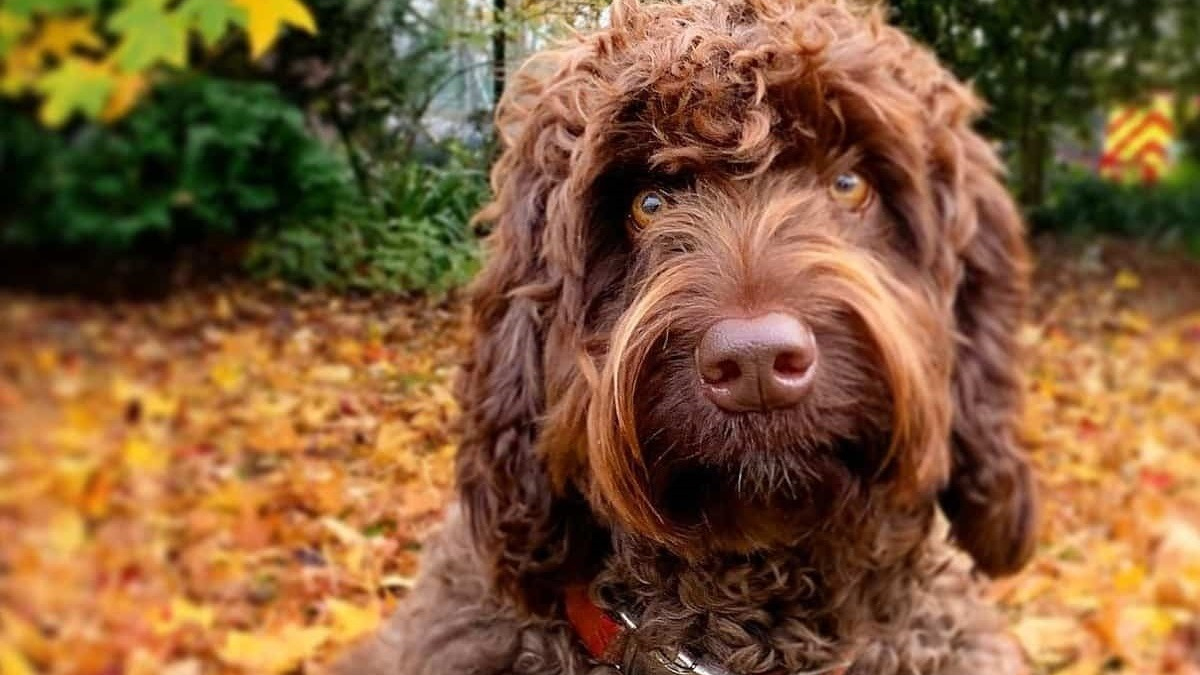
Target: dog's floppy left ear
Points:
(991, 496)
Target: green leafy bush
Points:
(415, 237)
(204, 157)
(1083, 204)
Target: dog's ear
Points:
(532, 532)
(991, 496)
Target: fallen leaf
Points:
(350, 622)
(331, 374)
(67, 533)
(140, 455)
(181, 613)
(1127, 281)
(278, 651)
(13, 662)
(1049, 640)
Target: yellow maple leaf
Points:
(276, 652)
(59, 36)
(267, 17)
(349, 621)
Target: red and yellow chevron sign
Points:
(1137, 141)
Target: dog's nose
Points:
(760, 363)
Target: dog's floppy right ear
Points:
(526, 527)
(502, 483)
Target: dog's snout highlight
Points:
(756, 364)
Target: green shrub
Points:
(416, 236)
(203, 157)
(1083, 204)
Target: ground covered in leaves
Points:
(237, 480)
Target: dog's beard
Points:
(749, 481)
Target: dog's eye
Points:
(850, 190)
(647, 205)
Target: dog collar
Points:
(595, 628)
(600, 632)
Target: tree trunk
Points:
(1033, 153)
(361, 174)
(499, 48)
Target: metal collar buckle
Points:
(683, 662)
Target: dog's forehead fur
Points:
(711, 82)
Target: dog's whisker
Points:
(791, 491)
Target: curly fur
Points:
(775, 542)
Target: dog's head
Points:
(751, 270)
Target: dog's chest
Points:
(736, 617)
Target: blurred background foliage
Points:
(344, 143)
(1047, 69)
(202, 156)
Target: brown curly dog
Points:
(749, 319)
